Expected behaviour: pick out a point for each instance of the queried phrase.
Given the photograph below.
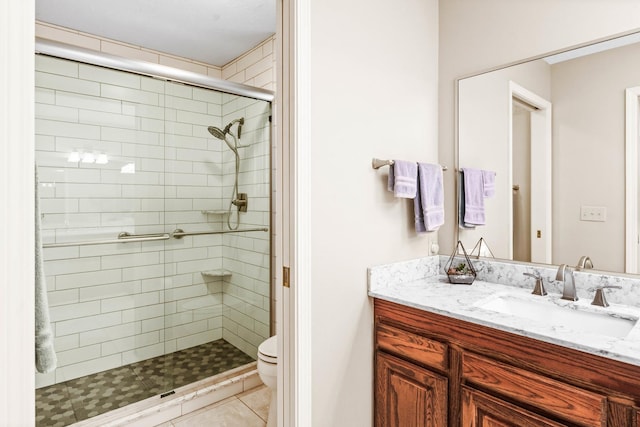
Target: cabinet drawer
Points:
(412, 346)
(551, 396)
(481, 410)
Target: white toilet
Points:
(268, 372)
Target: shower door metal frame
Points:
(87, 56)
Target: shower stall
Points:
(155, 199)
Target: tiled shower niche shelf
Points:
(218, 212)
(216, 273)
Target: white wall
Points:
(373, 94)
(475, 36)
(589, 154)
(484, 125)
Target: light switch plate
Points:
(593, 213)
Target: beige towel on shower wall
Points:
(46, 359)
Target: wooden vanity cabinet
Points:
(413, 396)
(433, 370)
(482, 410)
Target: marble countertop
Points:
(417, 284)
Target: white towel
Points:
(403, 179)
(46, 359)
(430, 196)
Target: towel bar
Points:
(378, 163)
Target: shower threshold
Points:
(80, 399)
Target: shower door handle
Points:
(139, 237)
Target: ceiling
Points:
(211, 31)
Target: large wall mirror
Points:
(561, 133)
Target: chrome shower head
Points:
(221, 134)
(218, 133)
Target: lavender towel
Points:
(489, 183)
(429, 202)
(461, 207)
(473, 197)
(403, 179)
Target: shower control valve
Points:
(241, 202)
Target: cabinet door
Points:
(481, 410)
(408, 395)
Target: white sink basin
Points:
(545, 312)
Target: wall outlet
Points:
(593, 213)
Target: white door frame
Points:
(17, 367)
(541, 195)
(294, 131)
(632, 98)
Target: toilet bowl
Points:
(268, 373)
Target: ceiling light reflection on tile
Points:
(88, 158)
(74, 157)
(128, 168)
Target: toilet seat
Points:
(268, 350)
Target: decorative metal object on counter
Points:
(483, 249)
(459, 268)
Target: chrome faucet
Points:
(565, 274)
(584, 263)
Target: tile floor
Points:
(63, 404)
(249, 409)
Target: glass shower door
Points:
(100, 153)
(217, 292)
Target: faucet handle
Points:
(539, 287)
(599, 298)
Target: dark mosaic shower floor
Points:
(76, 400)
